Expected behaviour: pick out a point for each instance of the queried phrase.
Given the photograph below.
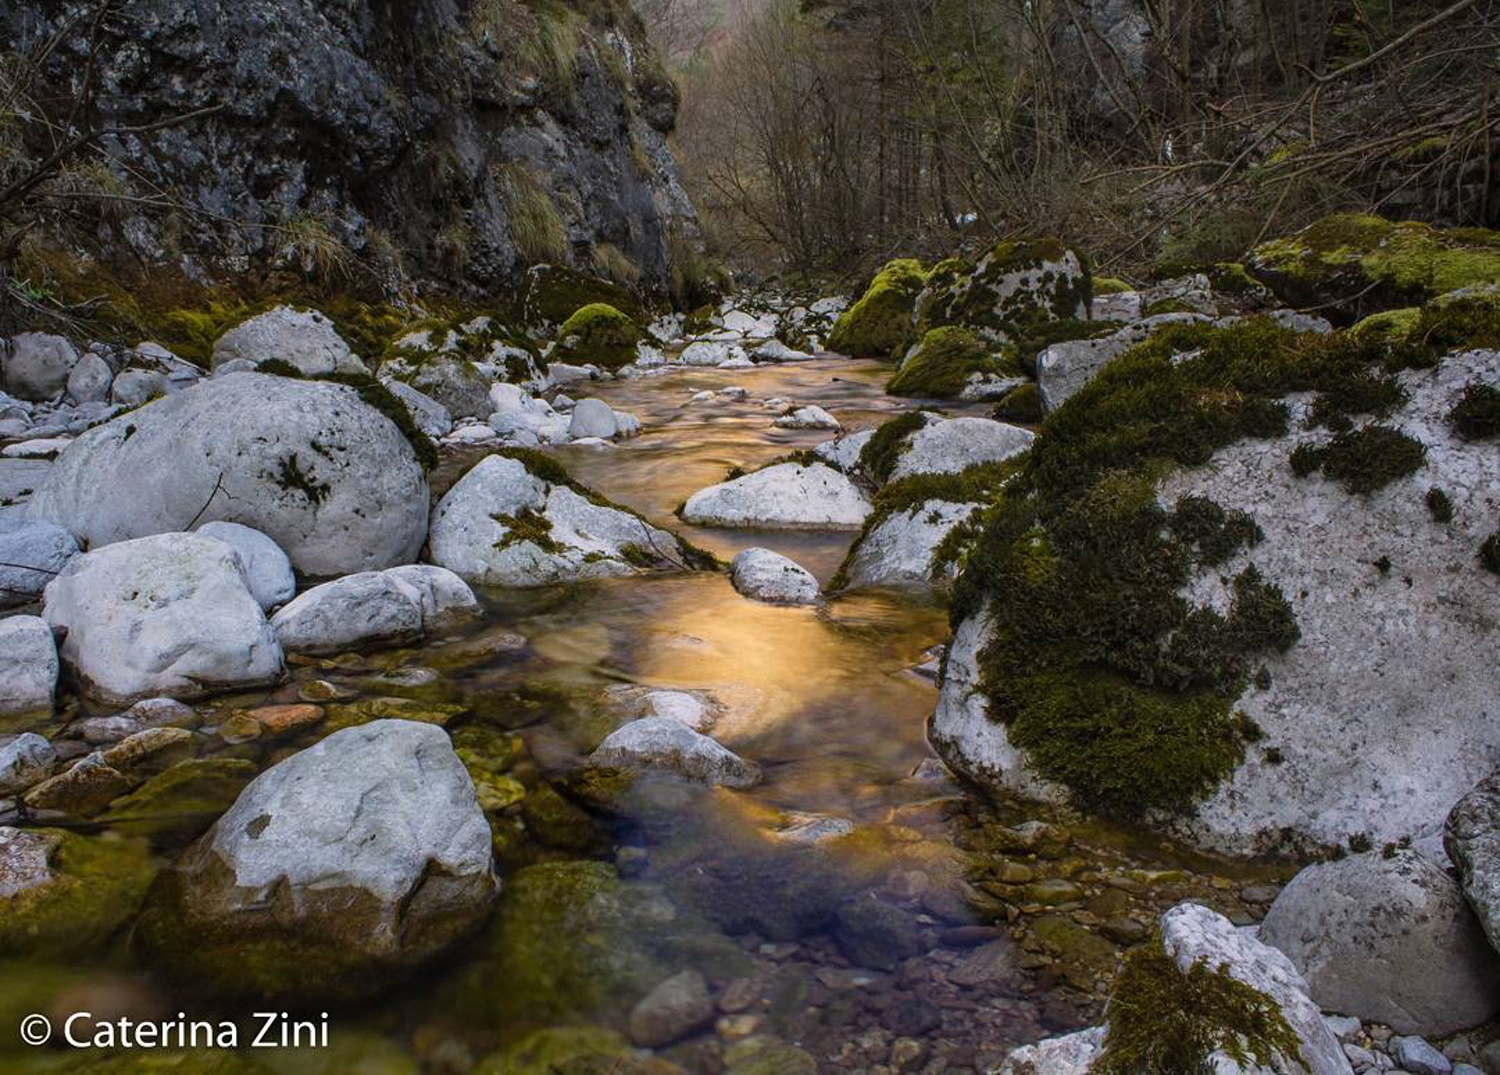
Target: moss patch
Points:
(180, 802)
(1162, 1020)
(1363, 460)
(98, 883)
(373, 394)
(881, 453)
(943, 363)
(880, 322)
(530, 526)
(1476, 415)
(600, 334)
(1354, 265)
(1021, 404)
(1014, 288)
(552, 294)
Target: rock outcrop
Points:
(317, 129)
(308, 463)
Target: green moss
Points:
(1357, 264)
(1476, 415)
(880, 322)
(1110, 285)
(1489, 553)
(1163, 1021)
(943, 363)
(180, 802)
(1439, 505)
(1168, 306)
(577, 1050)
(600, 334)
(1364, 460)
(1021, 404)
(1015, 288)
(528, 526)
(1216, 534)
(1356, 392)
(881, 453)
(294, 479)
(552, 294)
(1036, 338)
(1231, 278)
(97, 885)
(557, 822)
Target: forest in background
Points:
(825, 136)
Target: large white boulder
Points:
(31, 554)
(842, 453)
(1387, 937)
(268, 571)
(768, 576)
(305, 339)
(28, 665)
(1364, 745)
(898, 552)
(1191, 933)
(667, 745)
(787, 496)
(445, 599)
(344, 866)
(373, 608)
(161, 616)
(950, 445)
(37, 366)
(327, 477)
(501, 525)
(1063, 368)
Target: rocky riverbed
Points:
(563, 703)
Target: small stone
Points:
(993, 962)
(1360, 1058)
(98, 731)
(1013, 873)
(282, 719)
(24, 761)
(1345, 1027)
(1418, 1057)
(320, 690)
(906, 1054)
(874, 933)
(737, 1027)
(86, 788)
(1053, 891)
(147, 745)
(675, 1008)
(239, 727)
(1123, 930)
(1260, 894)
(742, 994)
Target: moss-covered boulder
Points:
(880, 322)
(553, 293)
(1013, 289)
(572, 943)
(63, 894)
(1353, 265)
(180, 802)
(455, 360)
(585, 1050)
(597, 334)
(1128, 624)
(948, 363)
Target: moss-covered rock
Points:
(943, 363)
(1111, 285)
(581, 1050)
(1354, 265)
(880, 322)
(67, 894)
(599, 334)
(1021, 404)
(367, 709)
(553, 293)
(1013, 289)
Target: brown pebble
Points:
(281, 719)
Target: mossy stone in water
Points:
(96, 885)
(943, 363)
(178, 803)
(368, 709)
(558, 823)
(880, 322)
(598, 334)
(578, 1050)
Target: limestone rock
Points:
(24, 761)
(167, 615)
(842, 453)
(1472, 840)
(950, 445)
(769, 576)
(367, 609)
(1063, 368)
(430, 416)
(38, 366)
(674, 1009)
(305, 339)
(268, 572)
(592, 418)
(90, 380)
(28, 665)
(898, 551)
(808, 418)
(347, 865)
(31, 555)
(1388, 939)
(502, 525)
(1071, 1054)
(662, 743)
(308, 463)
(785, 496)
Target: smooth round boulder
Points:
(1387, 937)
(90, 380)
(325, 476)
(161, 616)
(667, 745)
(768, 576)
(38, 365)
(335, 872)
(592, 418)
(786, 496)
(368, 609)
(268, 572)
(305, 339)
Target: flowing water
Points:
(928, 934)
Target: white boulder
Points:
(501, 525)
(842, 453)
(710, 353)
(768, 576)
(430, 416)
(668, 745)
(90, 380)
(808, 418)
(268, 572)
(324, 475)
(31, 555)
(38, 366)
(370, 608)
(950, 445)
(28, 665)
(592, 418)
(161, 616)
(786, 496)
(898, 551)
(305, 339)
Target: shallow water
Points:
(963, 958)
